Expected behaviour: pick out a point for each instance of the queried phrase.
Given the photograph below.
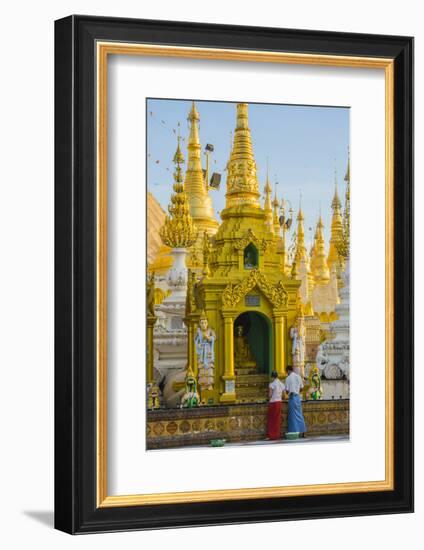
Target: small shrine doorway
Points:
(252, 357)
(253, 348)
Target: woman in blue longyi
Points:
(295, 420)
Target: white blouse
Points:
(277, 388)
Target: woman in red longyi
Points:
(276, 389)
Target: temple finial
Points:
(178, 156)
(242, 116)
(194, 113)
(300, 216)
(275, 202)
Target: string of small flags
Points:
(163, 125)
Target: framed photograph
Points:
(234, 274)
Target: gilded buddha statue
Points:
(243, 357)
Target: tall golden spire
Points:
(347, 176)
(199, 200)
(242, 182)
(346, 213)
(300, 237)
(283, 236)
(313, 251)
(336, 227)
(276, 221)
(335, 203)
(194, 181)
(268, 203)
(343, 247)
(320, 269)
(347, 196)
(178, 230)
(300, 266)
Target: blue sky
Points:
(304, 146)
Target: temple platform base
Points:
(171, 428)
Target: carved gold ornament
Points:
(250, 237)
(276, 294)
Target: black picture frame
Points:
(76, 510)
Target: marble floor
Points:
(302, 441)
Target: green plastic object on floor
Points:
(217, 442)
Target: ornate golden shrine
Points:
(243, 275)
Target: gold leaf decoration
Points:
(233, 293)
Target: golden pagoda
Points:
(301, 253)
(344, 245)
(336, 230)
(328, 277)
(324, 294)
(196, 188)
(320, 269)
(243, 285)
(301, 269)
(178, 230)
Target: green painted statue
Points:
(315, 389)
(191, 398)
